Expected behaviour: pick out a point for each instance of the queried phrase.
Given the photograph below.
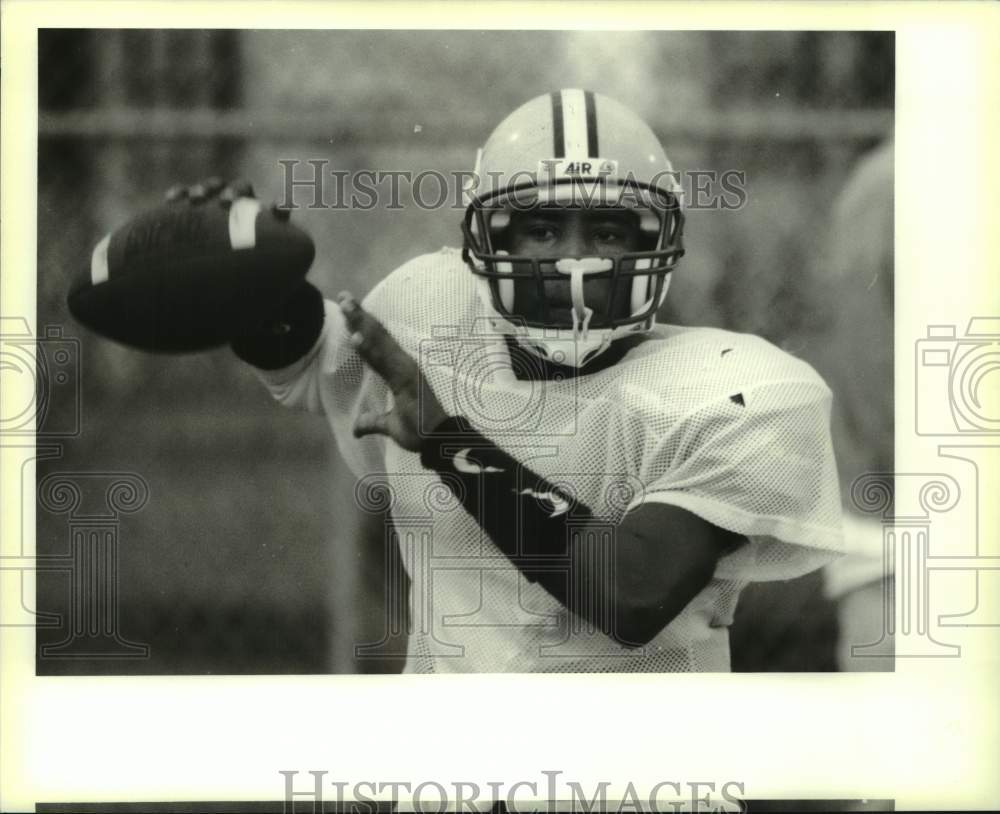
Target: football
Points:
(188, 277)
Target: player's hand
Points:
(210, 189)
(215, 189)
(416, 411)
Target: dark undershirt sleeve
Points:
(527, 518)
(288, 336)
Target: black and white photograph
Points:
(434, 351)
(393, 361)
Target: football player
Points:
(574, 488)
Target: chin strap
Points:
(581, 326)
(577, 270)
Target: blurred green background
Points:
(249, 555)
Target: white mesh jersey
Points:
(724, 425)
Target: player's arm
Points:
(287, 336)
(291, 330)
(630, 580)
(666, 555)
(661, 555)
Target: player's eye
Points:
(604, 235)
(541, 232)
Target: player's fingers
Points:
(213, 185)
(176, 192)
(197, 193)
(376, 345)
(371, 424)
(384, 356)
(204, 190)
(237, 189)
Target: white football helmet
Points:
(573, 148)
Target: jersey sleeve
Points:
(759, 463)
(298, 384)
(332, 380)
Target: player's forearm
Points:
(608, 577)
(598, 570)
(605, 580)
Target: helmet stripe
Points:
(558, 140)
(592, 151)
(575, 123)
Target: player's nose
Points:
(573, 244)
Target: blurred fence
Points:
(249, 555)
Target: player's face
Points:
(563, 232)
